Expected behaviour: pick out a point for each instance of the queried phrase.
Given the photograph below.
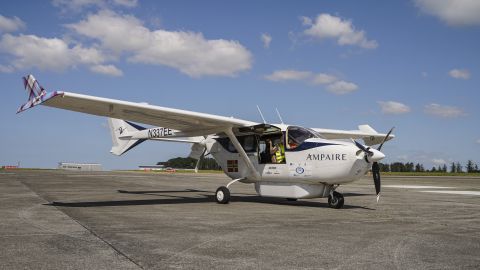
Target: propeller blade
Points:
(385, 139)
(197, 166)
(376, 178)
(361, 147)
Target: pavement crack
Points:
(92, 232)
(118, 251)
(190, 248)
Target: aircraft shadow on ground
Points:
(206, 198)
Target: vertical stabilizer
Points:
(121, 131)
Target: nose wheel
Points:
(335, 200)
(222, 195)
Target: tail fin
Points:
(367, 129)
(121, 135)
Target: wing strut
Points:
(242, 153)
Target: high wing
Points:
(193, 123)
(369, 135)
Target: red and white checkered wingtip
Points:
(36, 93)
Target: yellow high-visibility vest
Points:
(280, 153)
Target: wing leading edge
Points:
(193, 123)
(190, 122)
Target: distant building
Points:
(84, 167)
(9, 167)
(151, 167)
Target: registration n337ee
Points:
(280, 160)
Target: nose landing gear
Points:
(335, 200)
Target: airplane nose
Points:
(377, 155)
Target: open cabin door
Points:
(269, 136)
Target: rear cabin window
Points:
(249, 143)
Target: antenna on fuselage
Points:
(261, 114)
(279, 116)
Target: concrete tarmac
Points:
(122, 220)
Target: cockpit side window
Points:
(297, 135)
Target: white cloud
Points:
(6, 69)
(188, 52)
(393, 107)
(30, 51)
(266, 39)
(10, 24)
(443, 111)
(77, 5)
(112, 31)
(328, 26)
(288, 75)
(452, 12)
(306, 21)
(323, 78)
(107, 70)
(439, 161)
(342, 87)
(333, 84)
(459, 74)
(126, 3)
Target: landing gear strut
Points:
(335, 200)
(222, 195)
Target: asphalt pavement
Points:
(123, 220)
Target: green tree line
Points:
(190, 163)
(454, 167)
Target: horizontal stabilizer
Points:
(121, 135)
(367, 129)
(365, 132)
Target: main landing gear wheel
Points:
(222, 195)
(335, 200)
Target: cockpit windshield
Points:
(297, 135)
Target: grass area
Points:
(429, 174)
(177, 171)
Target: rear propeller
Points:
(375, 156)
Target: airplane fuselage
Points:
(323, 162)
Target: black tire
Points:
(336, 201)
(291, 199)
(222, 195)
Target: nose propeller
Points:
(374, 155)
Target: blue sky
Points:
(414, 65)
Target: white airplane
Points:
(281, 160)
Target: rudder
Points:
(121, 131)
